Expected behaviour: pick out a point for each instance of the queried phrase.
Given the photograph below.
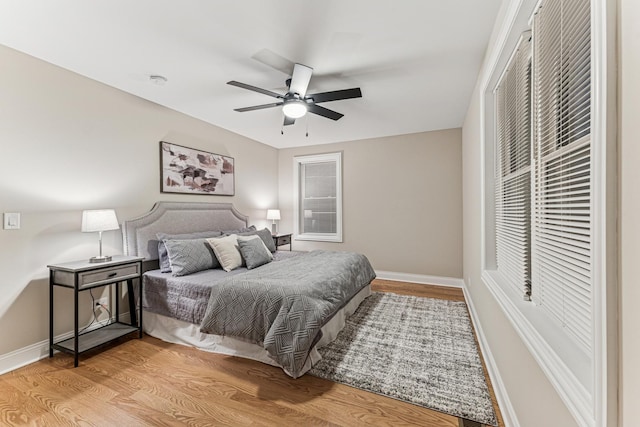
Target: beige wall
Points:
(69, 143)
(629, 214)
(402, 201)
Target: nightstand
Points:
(282, 239)
(83, 275)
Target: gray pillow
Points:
(190, 256)
(267, 238)
(264, 234)
(163, 257)
(254, 252)
(240, 230)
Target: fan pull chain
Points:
(306, 121)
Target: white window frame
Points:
(593, 403)
(299, 161)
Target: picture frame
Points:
(191, 171)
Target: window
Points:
(513, 170)
(551, 262)
(318, 197)
(549, 211)
(543, 168)
(562, 157)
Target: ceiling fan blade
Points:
(336, 95)
(324, 112)
(258, 107)
(300, 79)
(255, 89)
(288, 121)
(273, 60)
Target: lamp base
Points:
(100, 258)
(274, 229)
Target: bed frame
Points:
(139, 234)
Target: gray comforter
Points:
(283, 305)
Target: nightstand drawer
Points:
(284, 240)
(93, 278)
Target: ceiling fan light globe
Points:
(295, 109)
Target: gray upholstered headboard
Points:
(139, 234)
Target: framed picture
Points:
(191, 171)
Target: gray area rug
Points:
(418, 350)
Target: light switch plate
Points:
(12, 220)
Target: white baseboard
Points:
(24, 356)
(506, 408)
(40, 350)
(420, 278)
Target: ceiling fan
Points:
(296, 103)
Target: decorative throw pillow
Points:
(267, 238)
(253, 251)
(265, 235)
(189, 256)
(226, 250)
(163, 257)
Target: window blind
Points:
(513, 170)
(562, 225)
(319, 212)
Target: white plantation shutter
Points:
(513, 170)
(562, 223)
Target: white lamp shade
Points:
(273, 214)
(99, 220)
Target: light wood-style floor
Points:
(150, 382)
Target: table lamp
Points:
(273, 215)
(99, 220)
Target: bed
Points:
(278, 312)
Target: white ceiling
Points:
(416, 61)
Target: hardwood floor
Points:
(150, 382)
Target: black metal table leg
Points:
(75, 326)
(132, 303)
(140, 301)
(50, 313)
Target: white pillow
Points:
(227, 252)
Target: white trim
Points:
(24, 356)
(420, 278)
(604, 127)
(577, 399)
(40, 350)
(318, 237)
(507, 410)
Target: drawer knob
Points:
(115, 273)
